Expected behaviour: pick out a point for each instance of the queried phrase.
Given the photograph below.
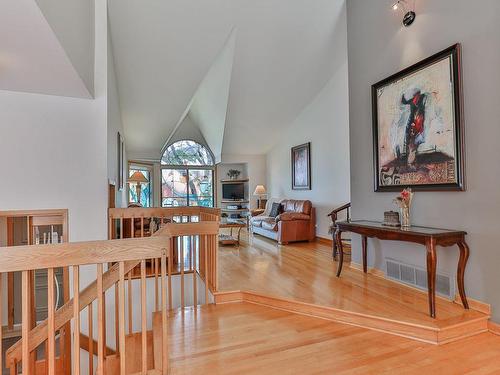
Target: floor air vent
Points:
(417, 277)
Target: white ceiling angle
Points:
(167, 54)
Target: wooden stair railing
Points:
(63, 315)
(91, 346)
(122, 257)
(334, 216)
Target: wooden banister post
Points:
(50, 355)
(121, 325)
(25, 325)
(76, 320)
(164, 313)
(100, 321)
(144, 342)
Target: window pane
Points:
(174, 187)
(145, 189)
(187, 153)
(200, 187)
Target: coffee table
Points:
(225, 239)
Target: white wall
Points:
(54, 150)
(378, 47)
(324, 123)
(255, 170)
(115, 125)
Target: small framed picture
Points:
(301, 167)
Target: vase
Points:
(405, 217)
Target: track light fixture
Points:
(408, 11)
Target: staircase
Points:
(185, 249)
(133, 351)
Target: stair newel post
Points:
(214, 253)
(110, 227)
(181, 265)
(100, 321)
(117, 328)
(164, 313)
(208, 274)
(65, 332)
(76, 320)
(169, 265)
(121, 316)
(157, 299)
(91, 339)
(144, 345)
(205, 270)
(50, 354)
(130, 315)
(25, 323)
(193, 265)
(1, 320)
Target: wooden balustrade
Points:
(186, 246)
(136, 222)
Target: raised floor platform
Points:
(301, 278)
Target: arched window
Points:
(187, 175)
(187, 153)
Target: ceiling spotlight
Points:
(409, 12)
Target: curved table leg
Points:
(334, 245)
(431, 275)
(462, 262)
(340, 249)
(239, 235)
(364, 242)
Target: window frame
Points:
(210, 153)
(187, 169)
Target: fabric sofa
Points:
(295, 222)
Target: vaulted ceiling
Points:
(46, 48)
(283, 56)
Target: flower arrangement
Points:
(404, 199)
(233, 174)
(404, 202)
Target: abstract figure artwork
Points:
(417, 126)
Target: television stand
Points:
(236, 208)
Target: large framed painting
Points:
(301, 167)
(418, 126)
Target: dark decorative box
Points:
(391, 219)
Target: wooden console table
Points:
(429, 237)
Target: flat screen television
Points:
(233, 192)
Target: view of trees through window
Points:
(187, 175)
(187, 153)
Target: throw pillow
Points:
(275, 209)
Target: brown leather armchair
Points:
(296, 222)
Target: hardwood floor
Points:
(242, 338)
(305, 272)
